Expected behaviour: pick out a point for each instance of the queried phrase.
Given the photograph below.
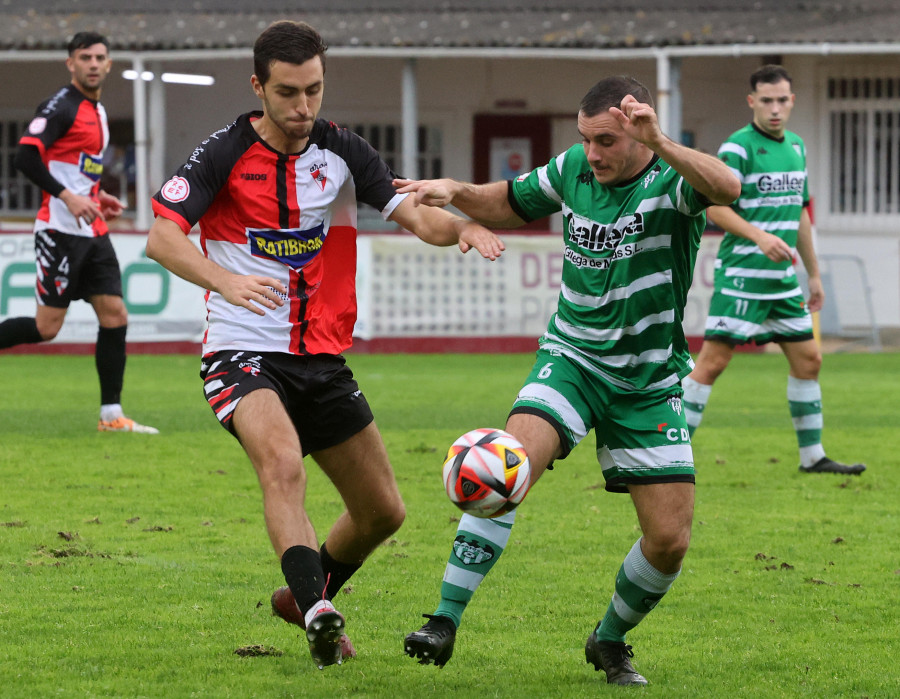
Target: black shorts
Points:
(72, 267)
(319, 392)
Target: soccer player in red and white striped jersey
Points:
(62, 153)
(275, 196)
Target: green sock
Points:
(639, 587)
(478, 544)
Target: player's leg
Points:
(712, 360)
(361, 472)
(52, 289)
(804, 396)
(665, 512)
(731, 321)
(549, 419)
(477, 547)
(22, 330)
(109, 359)
(655, 465)
(247, 394)
(100, 283)
(267, 434)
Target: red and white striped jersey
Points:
(71, 132)
(291, 217)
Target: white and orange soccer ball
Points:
(487, 472)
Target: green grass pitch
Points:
(135, 565)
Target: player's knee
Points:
(282, 472)
(115, 318)
(814, 364)
(387, 521)
(48, 331)
(666, 551)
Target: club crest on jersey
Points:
(650, 176)
(91, 166)
(175, 190)
(37, 126)
(290, 246)
(674, 403)
(319, 173)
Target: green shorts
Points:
(736, 320)
(642, 436)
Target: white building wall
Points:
(451, 91)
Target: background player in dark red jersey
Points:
(62, 153)
(275, 196)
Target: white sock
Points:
(321, 605)
(110, 412)
(696, 396)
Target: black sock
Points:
(19, 331)
(336, 573)
(109, 357)
(303, 573)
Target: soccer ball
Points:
(487, 472)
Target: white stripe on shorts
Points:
(651, 459)
(213, 386)
(556, 404)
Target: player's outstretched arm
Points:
(486, 203)
(705, 173)
(168, 245)
(438, 227)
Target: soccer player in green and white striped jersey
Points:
(757, 295)
(613, 356)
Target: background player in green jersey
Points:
(614, 353)
(757, 295)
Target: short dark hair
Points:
(290, 42)
(769, 74)
(83, 40)
(610, 92)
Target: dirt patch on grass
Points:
(257, 650)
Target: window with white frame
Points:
(18, 196)
(387, 140)
(864, 145)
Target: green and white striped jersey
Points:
(628, 264)
(773, 192)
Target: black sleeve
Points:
(371, 175)
(28, 162)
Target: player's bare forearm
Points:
(730, 221)
(771, 245)
(705, 173)
(806, 247)
(438, 227)
(485, 203)
(167, 244)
